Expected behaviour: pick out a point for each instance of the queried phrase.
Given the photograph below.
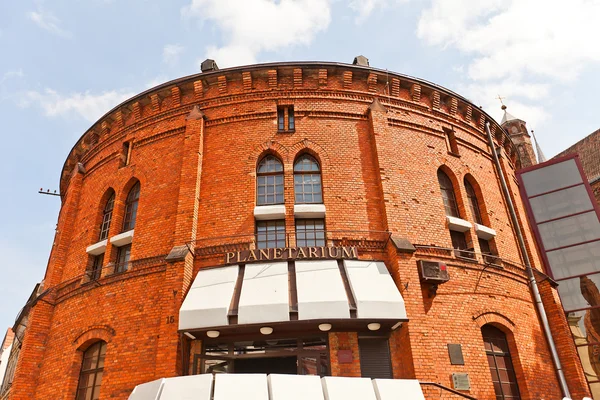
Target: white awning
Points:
(208, 300)
(265, 294)
(321, 292)
(277, 387)
(272, 292)
(374, 289)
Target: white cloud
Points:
(16, 73)
(551, 39)
(253, 26)
(85, 105)
(520, 49)
(364, 8)
(171, 53)
(47, 21)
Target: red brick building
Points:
(343, 178)
(588, 150)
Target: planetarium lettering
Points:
(291, 253)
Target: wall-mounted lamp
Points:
(266, 330)
(213, 334)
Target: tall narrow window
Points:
(96, 269)
(269, 181)
(270, 234)
(92, 368)
(123, 255)
(285, 119)
(473, 204)
(126, 153)
(281, 118)
(451, 142)
(500, 363)
(307, 180)
(310, 232)
(131, 206)
(107, 217)
(448, 194)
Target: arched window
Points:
(307, 180)
(90, 377)
(107, 216)
(473, 204)
(131, 206)
(500, 363)
(269, 181)
(448, 194)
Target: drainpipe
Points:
(532, 281)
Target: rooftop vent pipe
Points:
(208, 65)
(361, 60)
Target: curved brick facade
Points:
(194, 146)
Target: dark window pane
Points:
(107, 217)
(131, 206)
(280, 118)
(291, 119)
(90, 377)
(448, 195)
(270, 234)
(473, 204)
(501, 369)
(123, 255)
(96, 270)
(269, 181)
(310, 232)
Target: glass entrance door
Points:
(301, 356)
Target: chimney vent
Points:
(208, 65)
(361, 60)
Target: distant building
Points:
(588, 150)
(7, 344)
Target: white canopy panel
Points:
(295, 387)
(321, 292)
(207, 302)
(265, 294)
(277, 387)
(374, 290)
(241, 386)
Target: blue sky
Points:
(64, 63)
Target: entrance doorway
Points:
(299, 356)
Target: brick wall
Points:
(379, 145)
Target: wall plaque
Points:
(461, 381)
(456, 354)
(345, 356)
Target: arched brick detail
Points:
(312, 148)
(269, 147)
(93, 334)
(494, 318)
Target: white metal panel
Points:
(457, 224)
(552, 177)
(484, 232)
(321, 292)
(208, 300)
(295, 387)
(393, 389)
(561, 203)
(309, 210)
(570, 230)
(193, 387)
(122, 238)
(265, 294)
(262, 213)
(97, 248)
(241, 386)
(344, 388)
(147, 391)
(576, 260)
(374, 290)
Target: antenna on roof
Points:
(41, 191)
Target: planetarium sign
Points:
(291, 253)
